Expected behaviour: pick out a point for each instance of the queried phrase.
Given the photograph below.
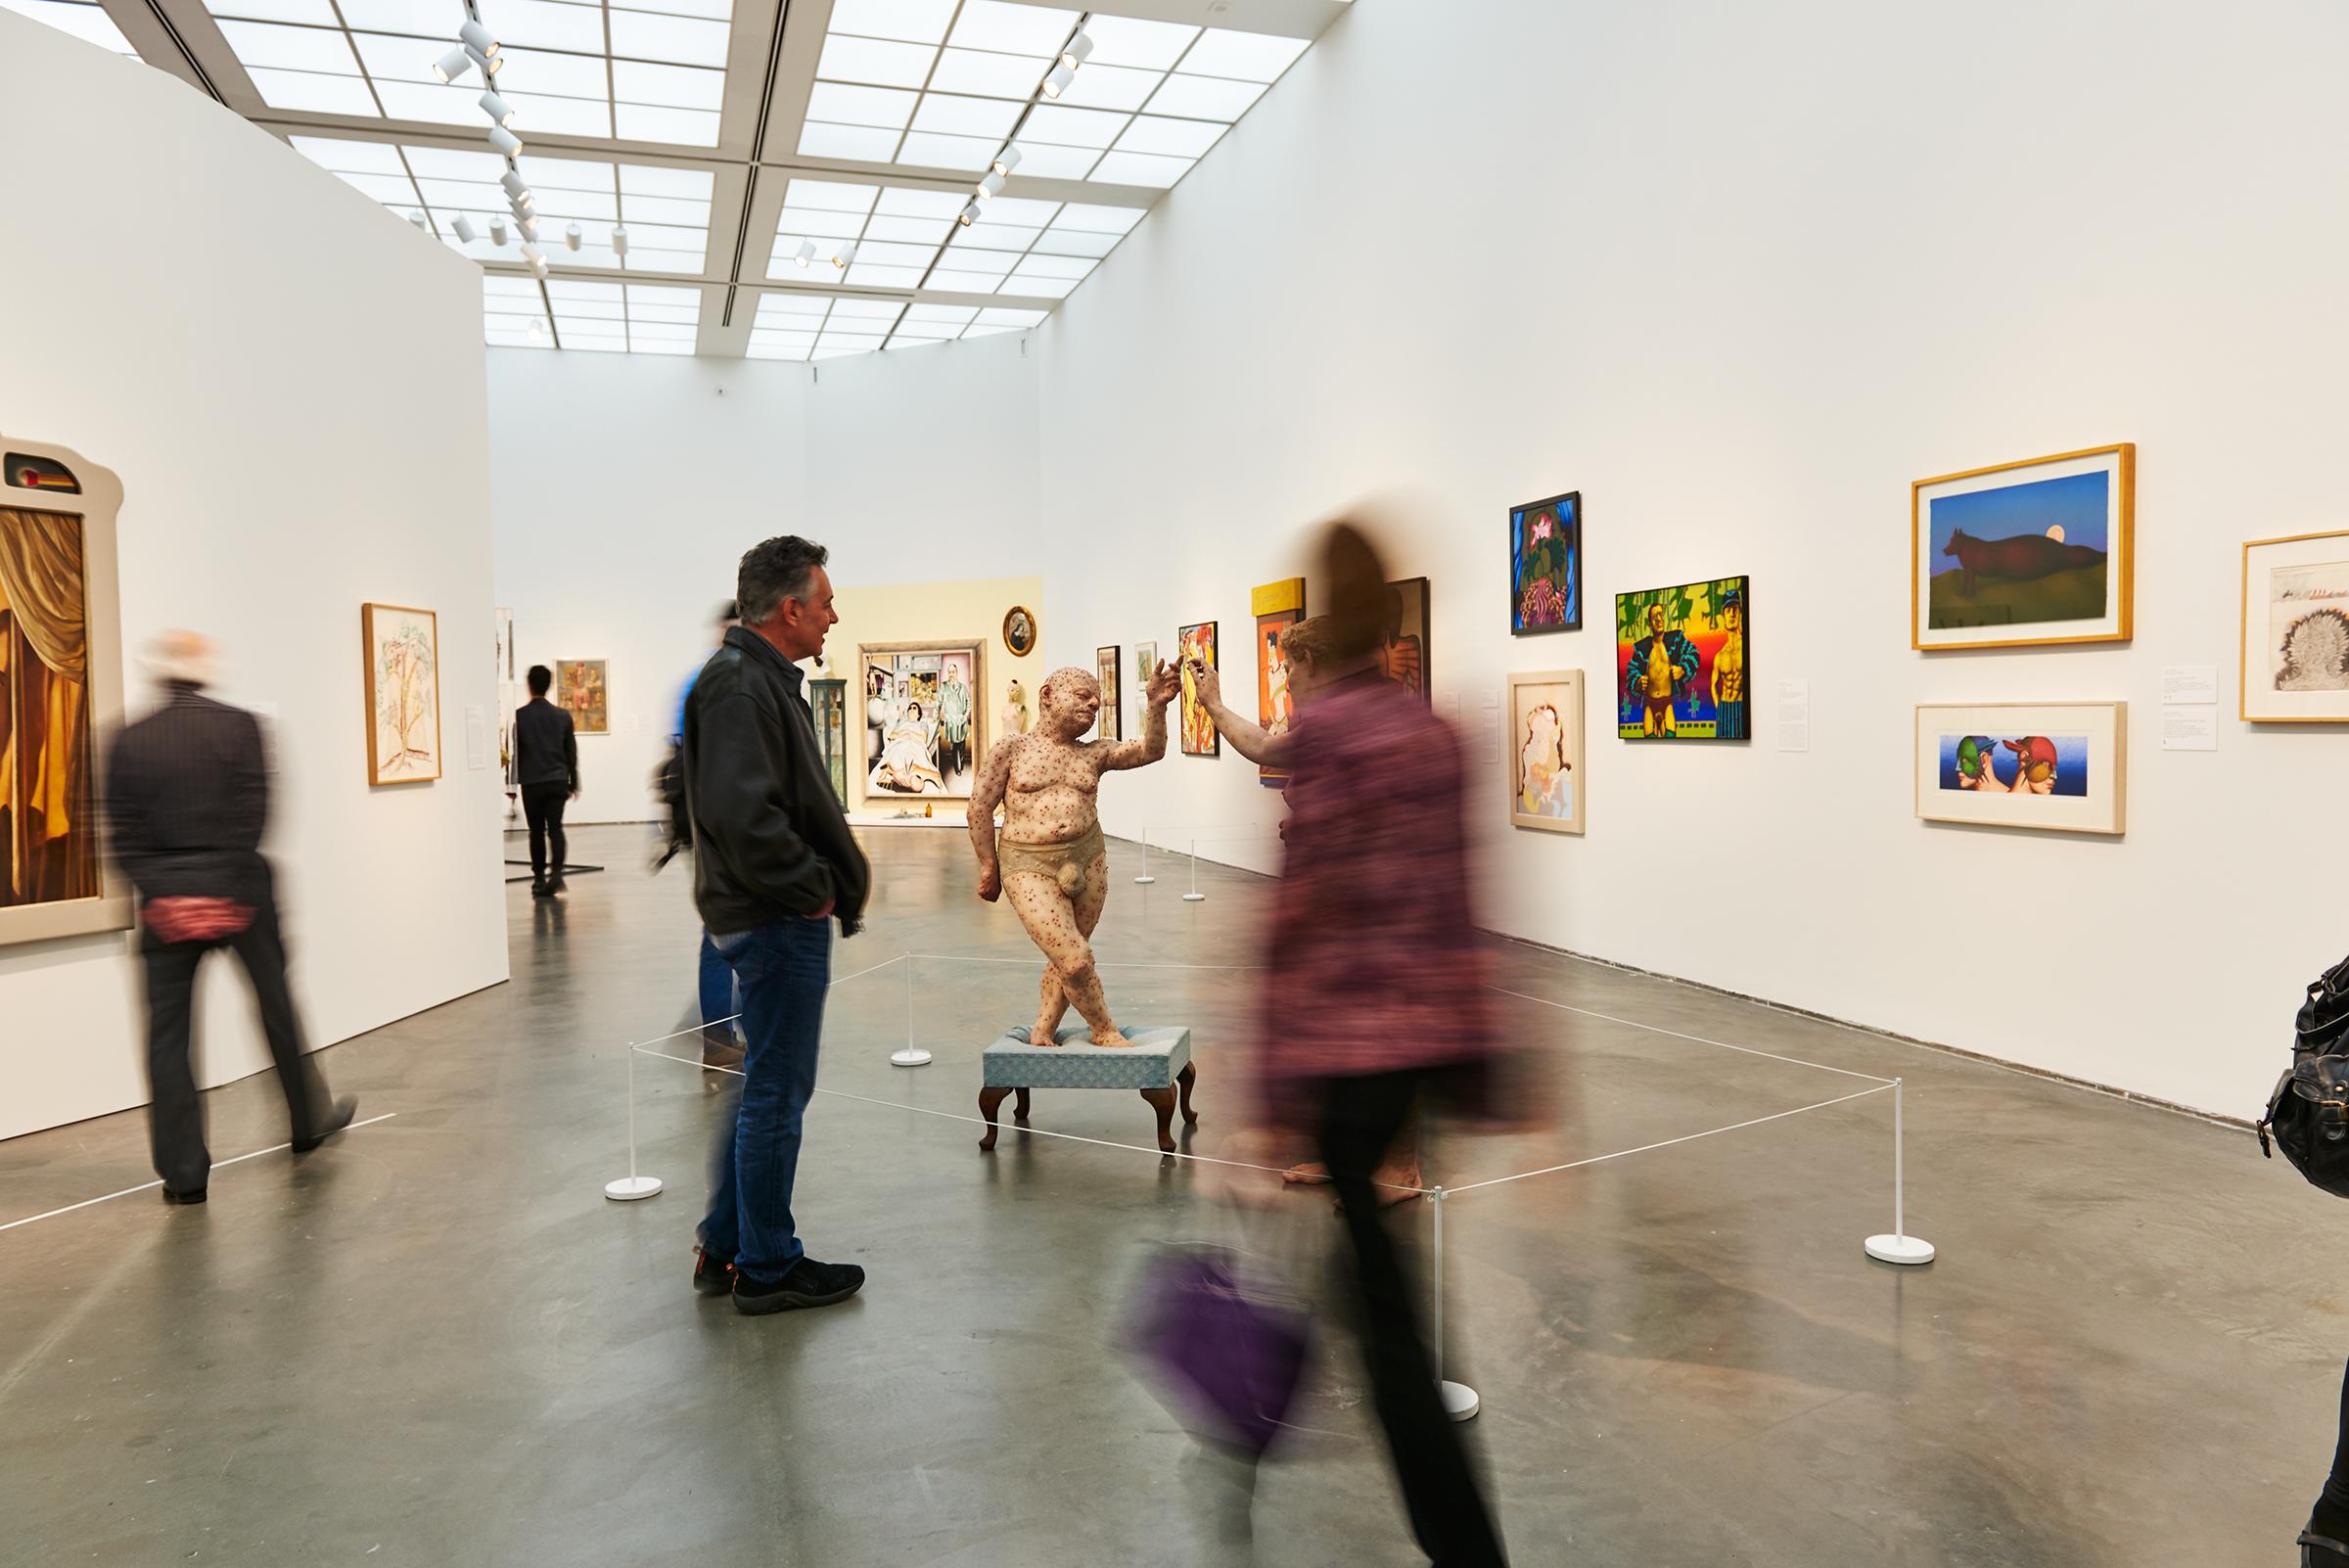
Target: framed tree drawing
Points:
(1546, 751)
(2295, 668)
(61, 688)
(403, 693)
(1199, 735)
(2036, 551)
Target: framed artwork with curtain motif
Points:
(61, 686)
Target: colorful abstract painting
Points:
(1546, 566)
(1197, 644)
(403, 693)
(1546, 751)
(921, 719)
(1276, 605)
(582, 687)
(2052, 766)
(1682, 662)
(2036, 551)
(2296, 655)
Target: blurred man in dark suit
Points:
(546, 764)
(188, 796)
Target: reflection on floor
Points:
(438, 1344)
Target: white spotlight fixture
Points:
(805, 254)
(498, 230)
(619, 241)
(528, 227)
(968, 215)
(844, 254)
(489, 66)
(1078, 51)
(416, 218)
(454, 63)
(515, 189)
(530, 254)
(477, 35)
(538, 329)
(1008, 160)
(1058, 82)
(571, 237)
(993, 185)
(497, 107)
(505, 141)
(466, 232)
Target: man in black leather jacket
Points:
(773, 862)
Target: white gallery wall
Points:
(1739, 274)
(288, 380)
(627, 487)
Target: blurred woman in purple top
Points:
(1376, 999)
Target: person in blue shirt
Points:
(722, 1042)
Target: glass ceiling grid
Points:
(83, 19)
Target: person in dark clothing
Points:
(773, 860)
(546, 764)
(187, 794)
(2324, 1544)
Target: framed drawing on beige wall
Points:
(1546, 751)
(403, 693)
(2296, 626)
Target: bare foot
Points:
(1040, 1033)
(1312, 1174)
(1110, 1036)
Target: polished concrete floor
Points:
(438, 1344)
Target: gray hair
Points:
(773, 570)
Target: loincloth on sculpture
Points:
(1065, 863)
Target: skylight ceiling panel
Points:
(679, 40)
(536, 71)
(1247, 56)
(1205, 98)
(1054, 266)
(433, 104)
(682, 128)
(421, 18)
(774, 307)
(1039, 288)
(1012, 30)
(991, 118)
(932, 150)
(593, 346)
(668, 86)
(956, 281)
(640, 329)
(874, 61)
(389, 189)
(864, 144)
(986, 329)
(1173, 138)
(665, 209)
(814, 223)
(880, 311)
(462, 195)
(917, 257)
(975, 259)
(906, 201)
(941, 315)
(1008, 317)
(545, 114)
(568, 291)
(761, 350)
(358, 158)
(457, 164)
(661, 237)
(1026, 211)
(582, 313)
(598, 206)
(1043, 161)
(989, 76)
(86, 22)
(861, 342)
(648, 295)
(988, 236)
(517, 340)
(930, 232)
(1141, 169)
(841, 104)
(835, 353)
(1128, 41)
(1072, 128)
(638, 344)
(715, 10)
(1099, 86)
(307, 92)
(539, 23)
(544, 174)
(868, 275)
(1076, 241)
(909, 21)
(644, 259)
(656, 179)
(278, 47)
(389, 57)
(685, 315)
(320, 13)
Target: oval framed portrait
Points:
(1019, 631)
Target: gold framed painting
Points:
(1546, 751)
(2037, 551)
(2054, 767)
(60, 687)
(584, 689)
(403, 693)
(1019, 631)
(1276, 605)
(2296, 626)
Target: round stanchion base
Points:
(1900, 1250)
(1194, 897)
(628, 1189)
(1144, 881)
(1460, 1401)
(910, 1056)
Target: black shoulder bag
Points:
(2308, 1115)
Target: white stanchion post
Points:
(1194, 896)
(912, 1055)
(630, 1187)
(1900, 1247)
(1459, 1399)
(1145, 879)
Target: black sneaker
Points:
(174, 1195)
(711, 1276)
(337, 1119)
(809, 1284)
(540, 888)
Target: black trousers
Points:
(2336, 1485)
(542, 806)
(175, 1115)
(1360, 1120)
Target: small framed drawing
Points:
(1546, 566)
(1546, 751)
(1106, 669)
(2295, 668)
(2057, 768)
(403, 694)
(2037, 551)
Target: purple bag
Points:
(1231, 1362)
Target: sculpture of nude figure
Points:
(1051, 860)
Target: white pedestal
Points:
(1460, 1401)
(910, 1056)
(628, 1189)
(1900, 1250)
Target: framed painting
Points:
(2056, 768)
(1019, 631)
(1110, 725)
(403, 693)
(1402, 651)
(583, 688)
(923, 738)
(1546, 751)
(60, 643)
(1277, 607)
(1682, 664)
(1546, 566)
(1199, 736)
(1145, 665)
(2038, 551)
(2295, 668)
(828, 705)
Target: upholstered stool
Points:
(1156, 1065)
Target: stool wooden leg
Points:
(989, 1099)
(1019, 1107)
(1162, 1100)
(1186, 1078)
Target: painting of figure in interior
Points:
(921, 719)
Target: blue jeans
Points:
(717, 995)
(782, 969)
